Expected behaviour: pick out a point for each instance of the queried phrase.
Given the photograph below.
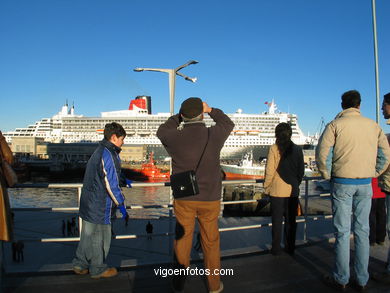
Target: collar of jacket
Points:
(348, 112)
(110, 146)
(195, 123)
(190, 124)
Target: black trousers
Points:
(378, 220)
(283, 207)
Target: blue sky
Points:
(302, 53)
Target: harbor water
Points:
(154, 195)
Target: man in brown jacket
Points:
(184, 136)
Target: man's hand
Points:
(206, 108)
(128, 183)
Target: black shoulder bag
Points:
(184, 184)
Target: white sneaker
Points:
(219, 290)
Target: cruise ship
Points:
(252, 132)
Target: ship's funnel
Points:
(143, 102)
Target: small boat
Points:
(148, 172)
(245, 169)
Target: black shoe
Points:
(331, 282)
(359, 288)
(176, 289)
(276, 252)
(290, 251)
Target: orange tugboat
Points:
(148, 172)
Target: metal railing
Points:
(301, 219)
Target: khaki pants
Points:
(207, 213)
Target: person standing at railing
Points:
(283, 175)
(351, 150)
(101, 192)
(149, 230)
(384, 180)
(192, 144)
(6, 230)
(377, 215)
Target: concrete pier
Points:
(47, 266)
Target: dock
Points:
(47, 266)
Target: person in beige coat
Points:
(351, 151)
(283, 175)
(5, 210)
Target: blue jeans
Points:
(95, 240)
(355, 199)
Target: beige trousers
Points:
(207, 213)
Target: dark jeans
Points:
(378, 220)
(283, 207)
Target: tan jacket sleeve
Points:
(324, 151)
(270, 169)
(384, 179)
(5, 150)
(383, 155)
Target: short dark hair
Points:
(283, 133)
(350, 99)
(386, 98)
(113, 128)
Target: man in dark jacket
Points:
(184, 136)
(384, 180)
(100, 194)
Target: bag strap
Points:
(208, 135)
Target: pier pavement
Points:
(47, 266)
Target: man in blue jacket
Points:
(100, 194)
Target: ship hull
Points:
(252, 133)
(229, 175)
(233, 171)
(139, 175)
(227, 153)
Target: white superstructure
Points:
(251, 130)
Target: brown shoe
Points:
(80, 271)
(110, 272)
(220, 289)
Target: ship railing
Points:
(304, 218)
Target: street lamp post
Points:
(373, 5)
(172, 80)
(172, 83)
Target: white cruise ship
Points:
(252, 132)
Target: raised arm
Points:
(222, 121)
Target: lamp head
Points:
(138, 69)
(192, 79)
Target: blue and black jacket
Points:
(101, 187)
